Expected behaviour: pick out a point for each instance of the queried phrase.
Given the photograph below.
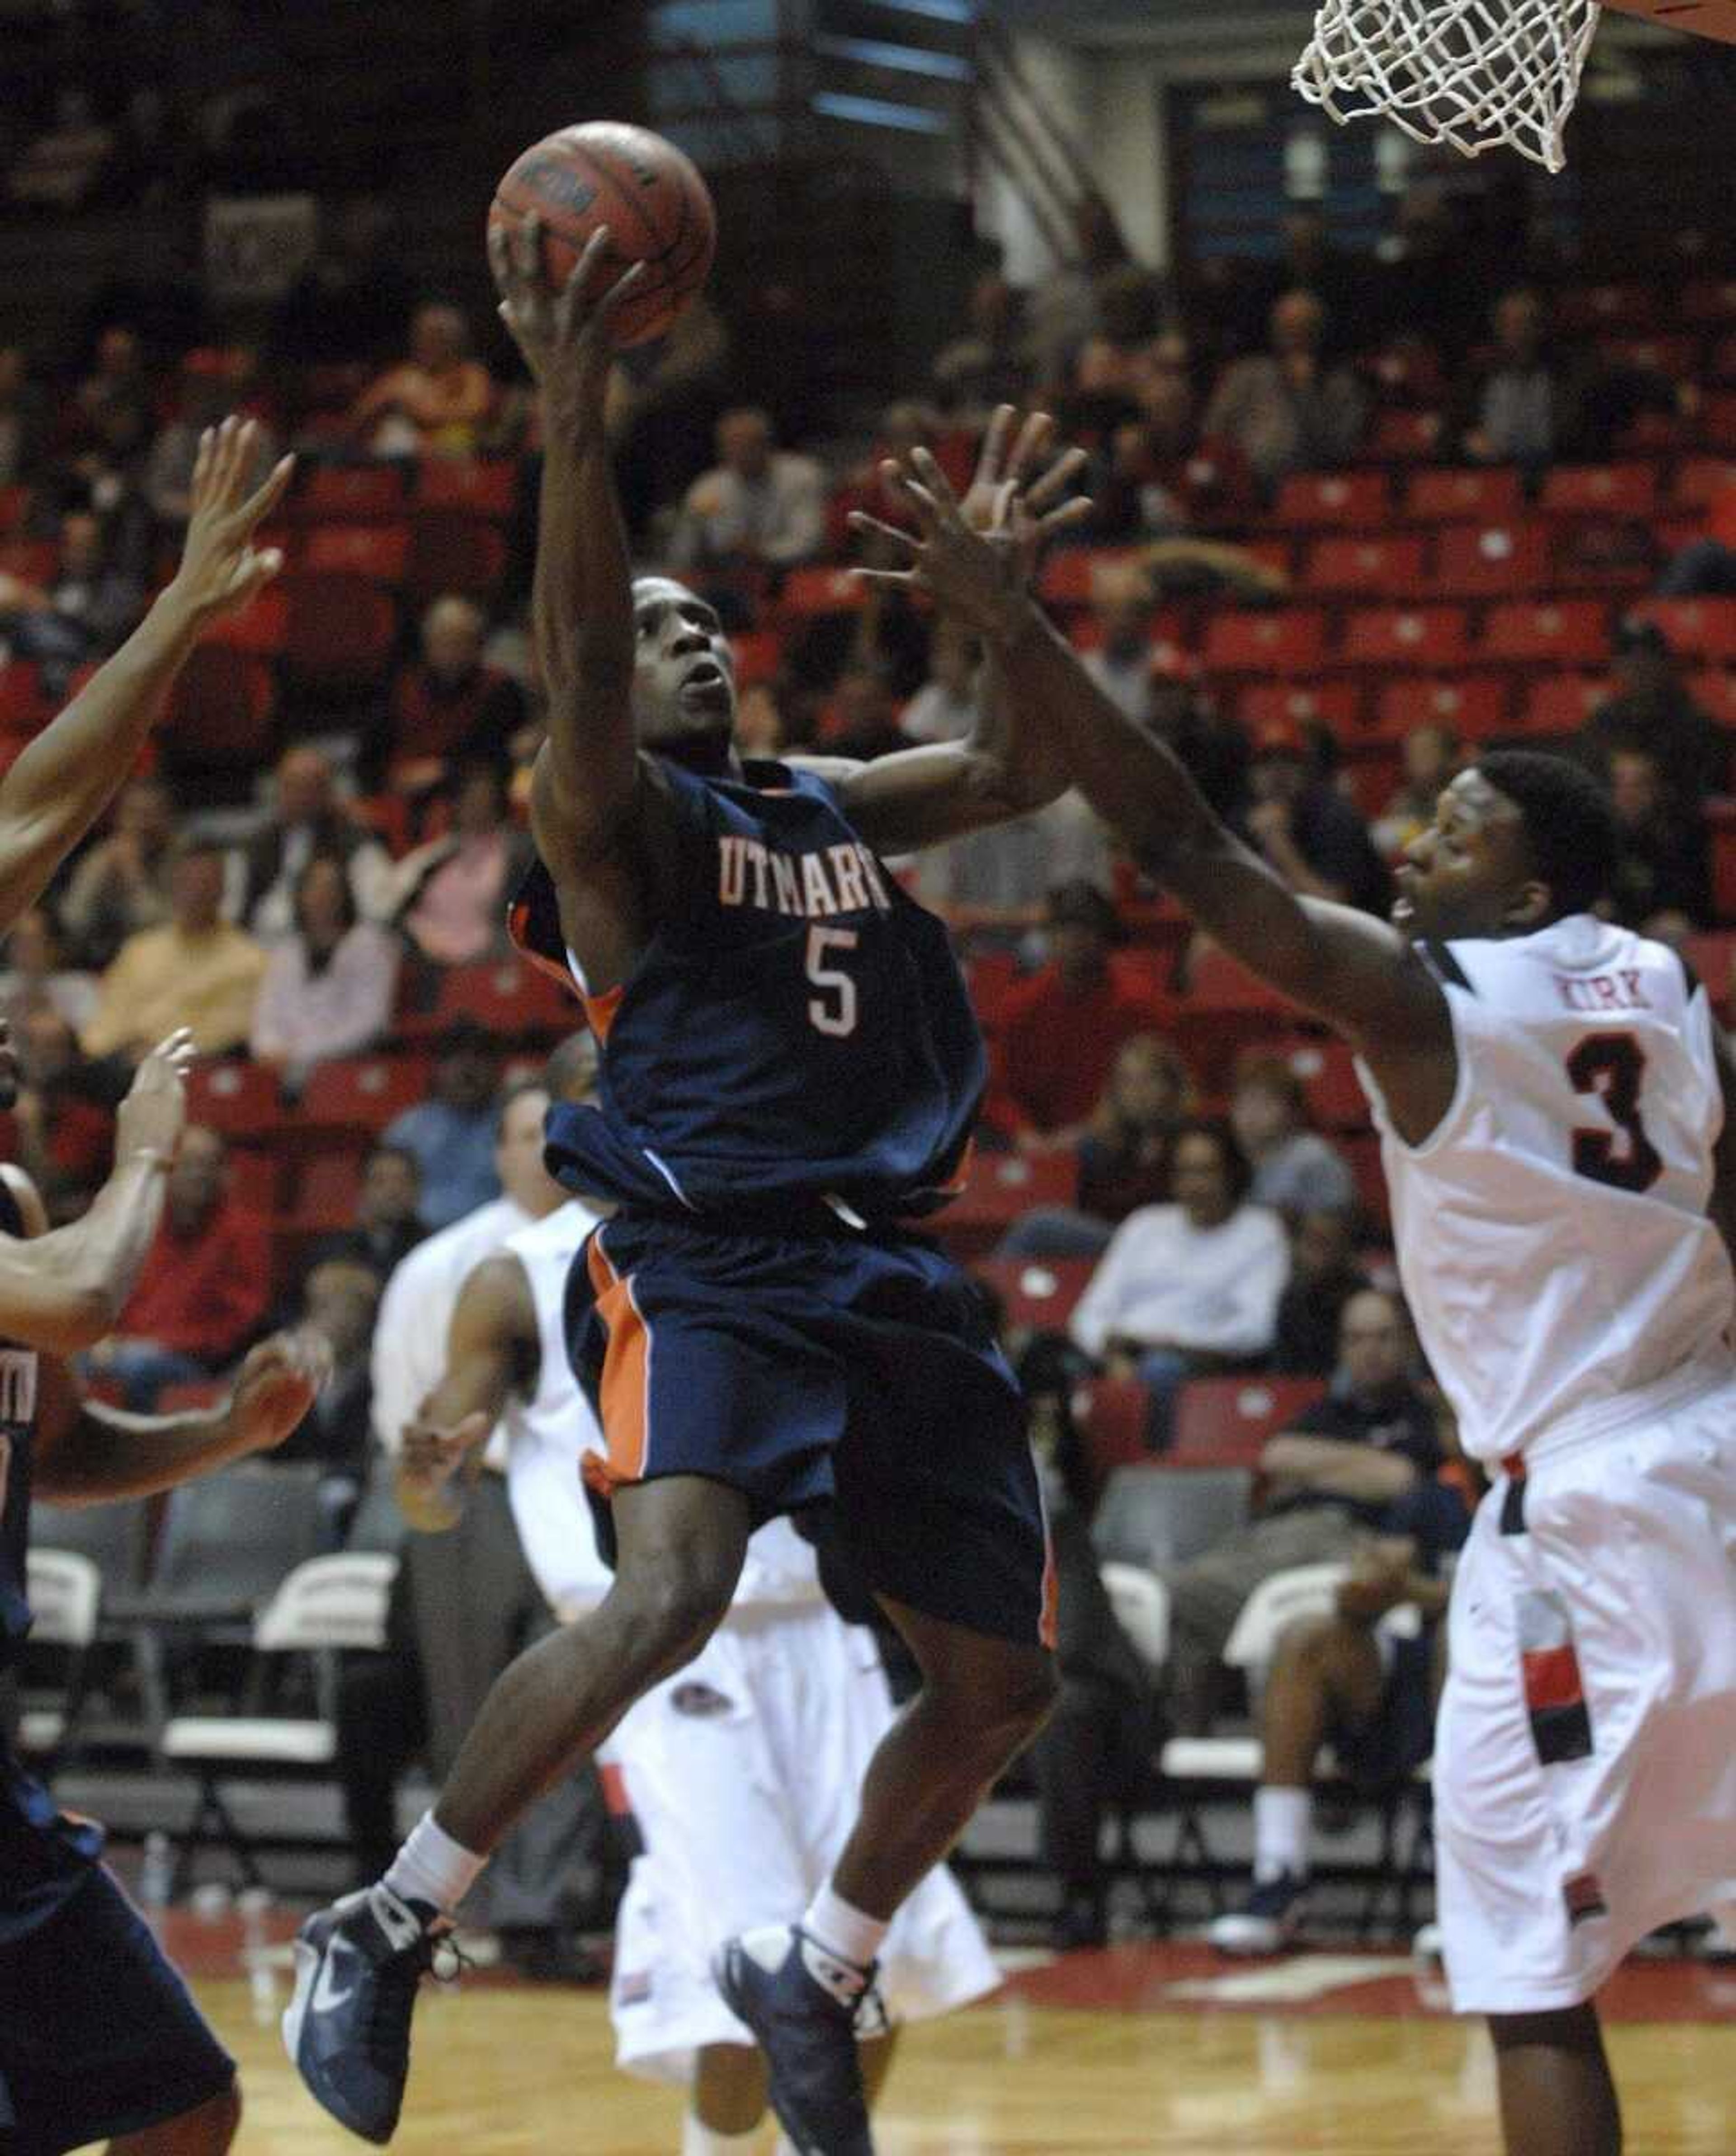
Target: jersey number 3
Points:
(1612, 1065)
(833, 1011)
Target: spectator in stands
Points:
(451, 1135)
(209, 382)
(197, 970)
(1533, 405)
(202, 1293)
(456, 886)
(86, 609)
(945, 707)
(663, 404)
(63, 168)
(37, 972)
(1296, 1171)
(24, 418)
(760, 505)
(987, 366)
(1063, 1029)
(1359, 1464)
(388, 1217)
(339, 1301)
(1210, 742)
(308, 821)
(1191, 1287)
(1120, 664)
(1662, 883)
(328, 987)
(1333, 1680)
(1324, 1274)
(65, 1133)
(122, 884)
(1307, 831)
(1064, 311)
(119, 380)
(352, 300)
(998, 880)
(1430, 755)
(450, 703)
(435, 402)
(1653, 711)
(1124, 1155)
(862, 721)
(1287, 410)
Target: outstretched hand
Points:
(976, 557)
(432, 1455)
(277, 1386)
(567, 337)
(221, 569)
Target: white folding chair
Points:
(1141, 1604)
(65, 1592)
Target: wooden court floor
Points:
(1158, 2050)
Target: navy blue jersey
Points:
(44, 1857)
(797, 1029)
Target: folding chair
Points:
(325, 1604)
(1151, 1515)
(65, 1592)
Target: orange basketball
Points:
(657, 208)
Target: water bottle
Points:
(156, 1874)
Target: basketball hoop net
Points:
(1476, 74)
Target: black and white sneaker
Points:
(1268, 1921)
(346, 2028)
(807, 2011)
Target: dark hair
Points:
(1235, 1160)
(348, 910)
(1570, 825)
(515, 1093)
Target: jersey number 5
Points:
(833, 1010)
(1613, 1066)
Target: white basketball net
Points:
(1476, 74)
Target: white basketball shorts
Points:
(744, 1772)
(1585, 1757)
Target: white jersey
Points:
(1552, 1232)
(547, 1432)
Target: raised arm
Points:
(491, 1352)
(1359, 974)
(71, 772)
(89, 1453)
(61, 1293)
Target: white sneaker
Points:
(1426, 1945)
(1268, 1921)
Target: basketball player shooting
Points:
(790, 1073)
(1555, 1104)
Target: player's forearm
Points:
(63, 1292)
(582, 597)
(1030, 760)
(1331, 1468)
(109, 1453)
(432, 1501)
(71, 772)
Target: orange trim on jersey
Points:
(961, 1175)
(1051, 1595)
(626, 1377)
(615, 1800)
(518, 932)
(600, 1010)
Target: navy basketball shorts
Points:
(804, 1369)
(99, 2036)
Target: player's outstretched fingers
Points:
(1034, 437)
(255, 510)
(933, 478)
(621, 291)
(1060, 476)
(991, 456)
(916, 497)
(859, 520)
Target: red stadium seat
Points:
(259, 627)
(1700, 629)
(1453, 495)
(348, 494)
(1037, 1294)
(1405, 437)
(481, 486)
(1562, 632)
(1700, 480)
(1714, 959)
(1227, 1422)
(990, 976)
(340, 629)
(452, 551)
(379, 550)
(820, 591)
(253, 1180)
(1354, 500)
(1362, 1149)
(1561, 703)
(759, 654)
(31, 561)
(1404, 636)
(1068, 577)
(241, 1099)
(1626, 490)
(221, 712)
(1474, 705)
(1335, 704)
(509, 997)
(1000, 1187)
(1328, 1069)
(1240, 641)
(1718, 421)
(1491, 560)
(1715, 692)
(1109, 1419)
(327, 1190)
(23, 705)
(362, 1095)
(1388, 566)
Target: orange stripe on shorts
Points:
(626, 1377)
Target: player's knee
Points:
(1308, 1640)
(676, 1610)
(1001, 1711)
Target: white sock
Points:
(1281, 1821)
(842, 1930)
(699, 2139)
(432, 1868)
